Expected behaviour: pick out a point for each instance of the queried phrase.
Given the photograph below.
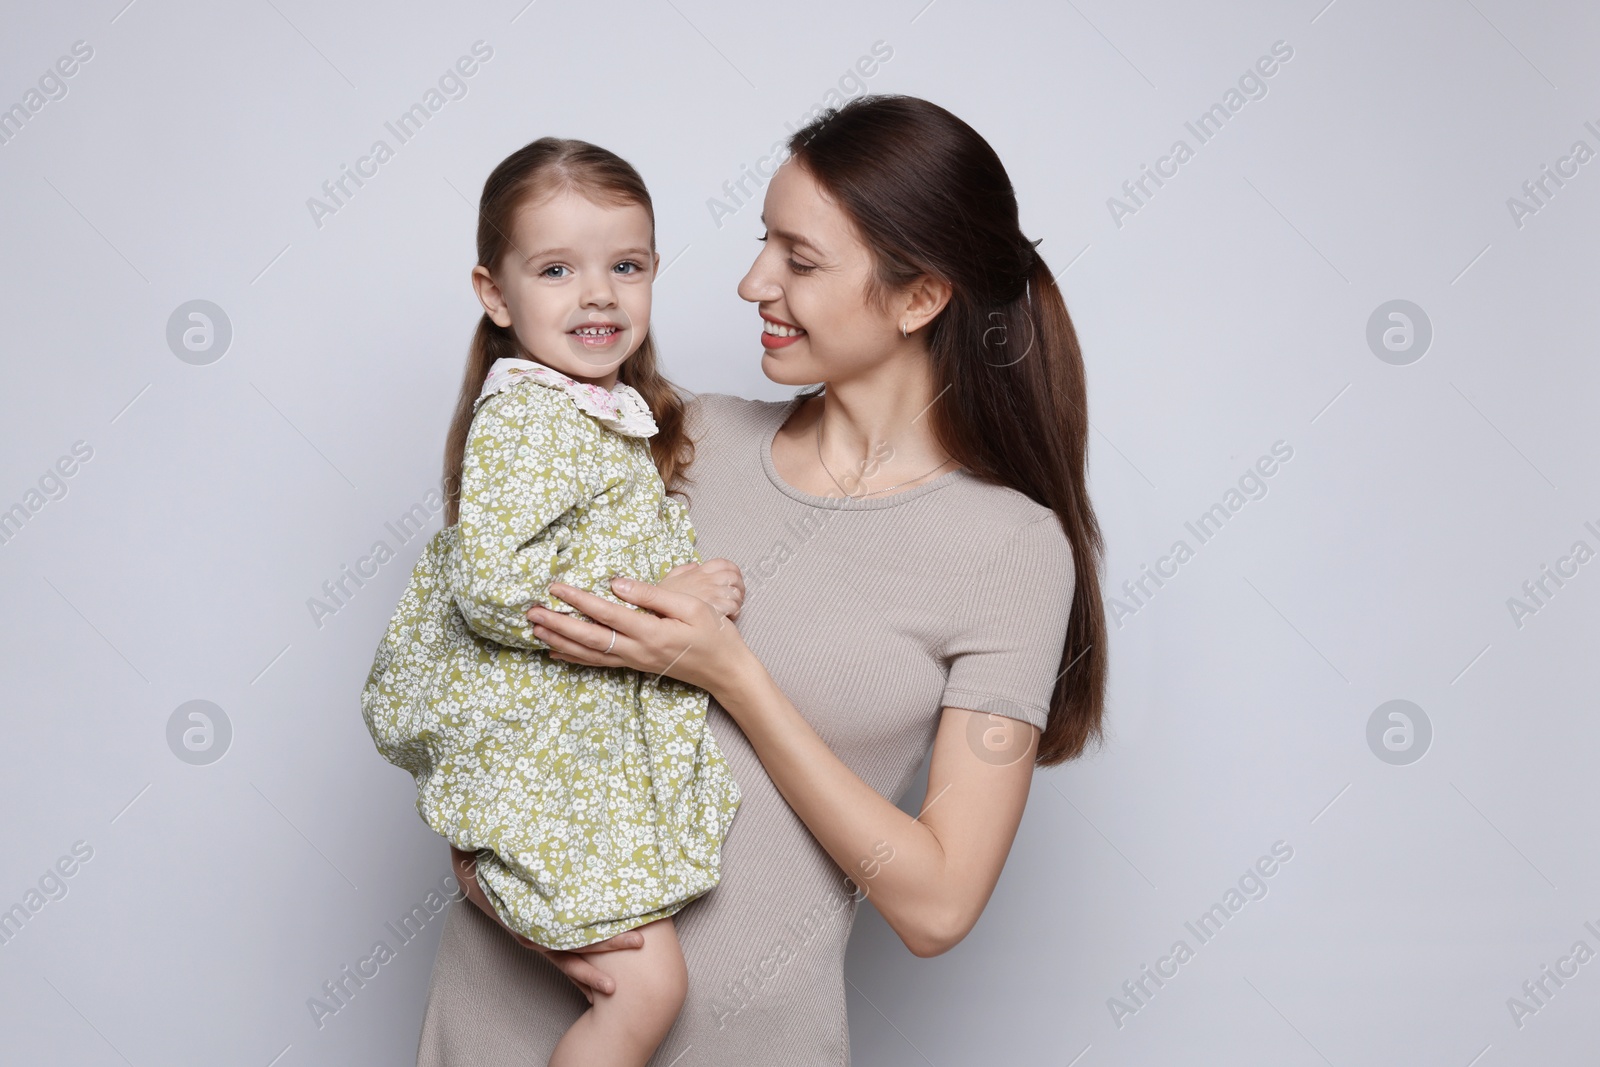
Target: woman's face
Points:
(810, 284)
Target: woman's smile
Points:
(775, 333)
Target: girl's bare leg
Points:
(623, 1029)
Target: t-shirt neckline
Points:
(840, 503)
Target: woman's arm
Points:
(585, 975)
(944, 862)
(930, 876)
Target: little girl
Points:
(595, 799)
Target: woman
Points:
(921, 560)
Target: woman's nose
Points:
(755, 286)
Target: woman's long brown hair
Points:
(534, 171)
(932, 199)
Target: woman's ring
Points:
(613, 642)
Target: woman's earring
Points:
(902, 329)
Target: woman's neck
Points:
(890, 404)
(875, 433)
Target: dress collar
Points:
(621, 409)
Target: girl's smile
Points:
(597, 336)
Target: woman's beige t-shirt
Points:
(872, 614)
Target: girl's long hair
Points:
(931, 198)
(532, 172)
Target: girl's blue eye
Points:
(629, 263)
(546, 272)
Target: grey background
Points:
(1228, 313)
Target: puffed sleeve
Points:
(1004, 651)
(522, 470)
(675, 518)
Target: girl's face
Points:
(810, 285)
(575, 285)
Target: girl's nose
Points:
(597, 291)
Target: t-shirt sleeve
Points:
(1005, 649)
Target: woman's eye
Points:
(554, 266)
(795, 265)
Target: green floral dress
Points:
(595, 798)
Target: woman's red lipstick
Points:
(775, 333)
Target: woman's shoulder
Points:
(727, 413)
(999, 505)
(1010, 520)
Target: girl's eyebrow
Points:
(569, 251)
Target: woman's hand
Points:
(586, 976)
(678, 634)
(718, 582)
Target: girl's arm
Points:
(930, 876)
(521, 471)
